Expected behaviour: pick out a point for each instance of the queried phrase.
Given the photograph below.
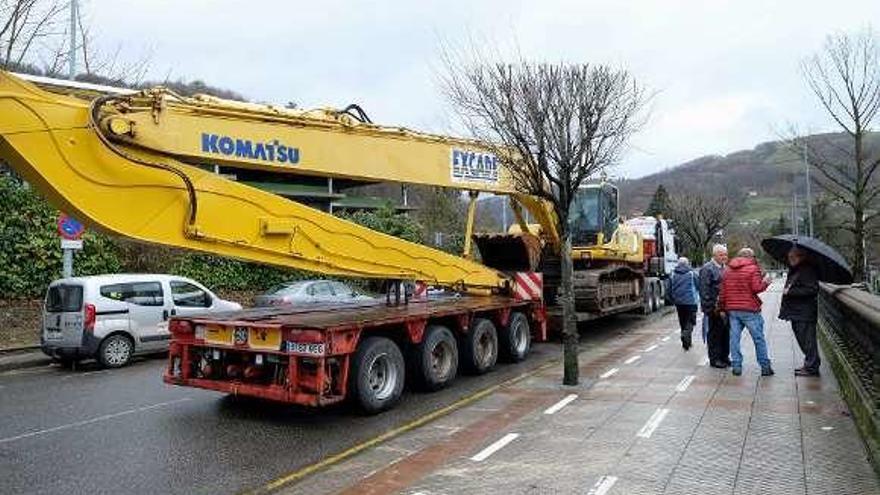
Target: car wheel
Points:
(516, 338)
(480, 349)
(378, 374)
(115, 351)
(435, 358)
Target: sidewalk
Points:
(647, 418)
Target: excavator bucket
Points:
(519, 252)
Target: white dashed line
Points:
(684, 383)
(609, 373)
(495, 447)
(559, 405)
(827, 428)
(704, 362)
(632, 359)
(665, 339)
(652, 424)
(649, 349)
(603, 485)
(90, 421)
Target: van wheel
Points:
(435, 359)
(378, 373)
(115, 351)
(480, 347)
(515, 339)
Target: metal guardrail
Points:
(849, 330)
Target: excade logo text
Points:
(270, 151)
(474, 167)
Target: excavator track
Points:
(607, 290)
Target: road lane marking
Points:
(652, 424)
(495, 447)
(603, 485)
(632, 359)
(301, 473)
(649, 349)
(91, 421)
(609, 373)
(684, 383)
(665, 339)
(704, 362)
(559, 405)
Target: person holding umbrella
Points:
(810, 261)
(799, 306)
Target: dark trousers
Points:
(805, 333)
(687, 320)
(718, 339)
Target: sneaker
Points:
(720, 364)
(805, 372)
(768, 371)
(737, 371)
(685, 343)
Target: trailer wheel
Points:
(516, 338)
(378, 373)
(480, 347)
(435, 359)
(647, 306)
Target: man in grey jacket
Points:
(718, 340)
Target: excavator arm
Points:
(133, 165)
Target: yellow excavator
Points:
(138, 164)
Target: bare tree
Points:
(698, 219)
(845, 78)
(25, 26)
(555, 126)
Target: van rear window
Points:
(64, 298)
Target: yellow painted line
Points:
(421, 421)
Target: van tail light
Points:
(89, 316)
(180, 326)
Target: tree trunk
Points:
(569, 319)
(859, 234)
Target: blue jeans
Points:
(755, 324)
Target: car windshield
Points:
(287, 289)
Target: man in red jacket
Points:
(740, 286)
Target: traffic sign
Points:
(70, 228)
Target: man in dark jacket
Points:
(718, 338)
(683, 291)
(799, 307)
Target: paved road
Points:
(115, 431)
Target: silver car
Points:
(113, 317)
(309, 291)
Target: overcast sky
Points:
(725, 73)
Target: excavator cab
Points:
(593, 217)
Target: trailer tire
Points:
(480, 347)
(515, 339)
(377, 375)
(647, 304)
(435, 359)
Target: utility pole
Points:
(809, 193)
(794, 213)
(74, 15)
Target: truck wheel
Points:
(115, 351)
(435, 359)
(480, 347)
(647, 306)
(516, 338)
(377, 376)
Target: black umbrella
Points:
(829, 263)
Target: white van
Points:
(113, 317)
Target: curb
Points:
(18, 360)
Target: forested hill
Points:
(759, 181)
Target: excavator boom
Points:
(130, 165)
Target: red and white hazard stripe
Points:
(529, 286)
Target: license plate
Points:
(311, 349)
(54, 333)
(265, 338)
(216, 334)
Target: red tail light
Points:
(180, 326)
(89, 316)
